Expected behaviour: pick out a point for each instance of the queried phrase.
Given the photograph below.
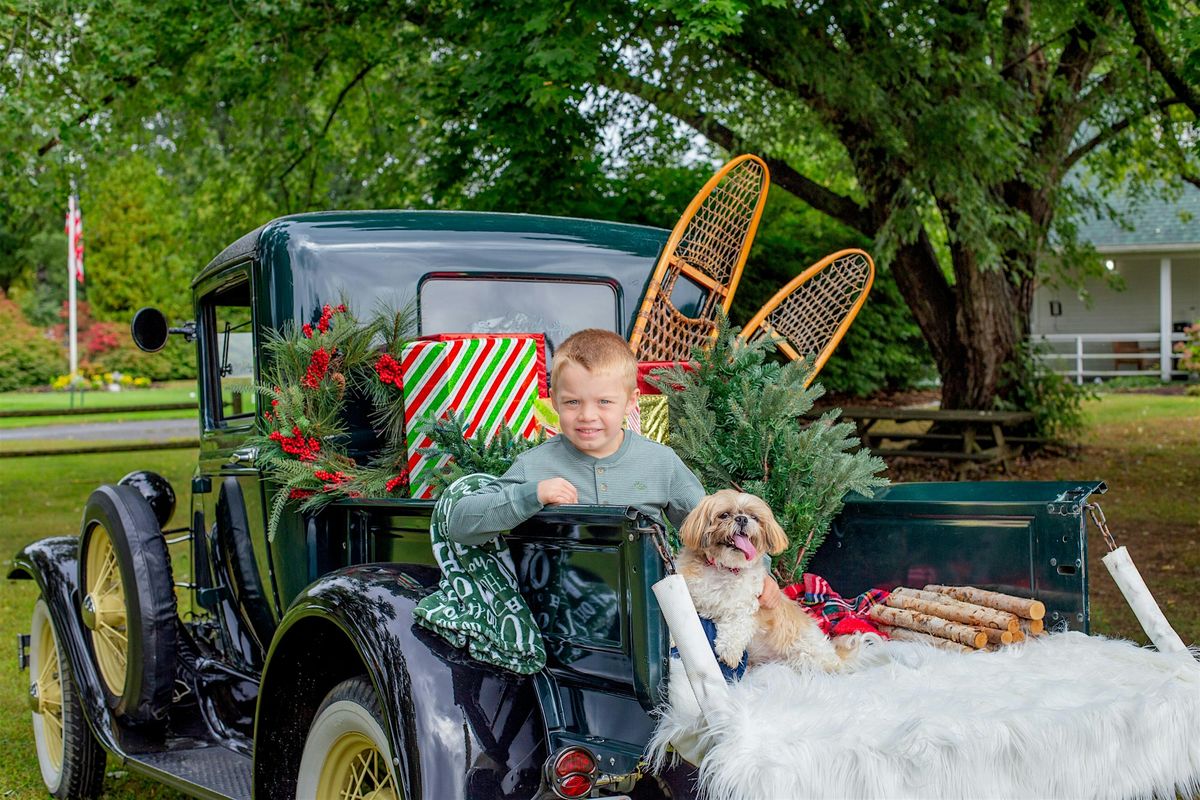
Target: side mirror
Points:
(149, 329)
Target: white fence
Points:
(1107, 355)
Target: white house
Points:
(1103, 332)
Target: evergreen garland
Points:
(474, 454)
(303, 447)
(310, 371)
(736, 421)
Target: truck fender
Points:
(456, 728)
(53, 564)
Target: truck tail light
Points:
(571, 772)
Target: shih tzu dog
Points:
(724, 540)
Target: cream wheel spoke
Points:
(114, 643)
(103, 578)
(358, 773)
(46, 675)
(111, 631)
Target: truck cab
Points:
(244, 684)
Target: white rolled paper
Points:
(1129, 580)
(694, 650)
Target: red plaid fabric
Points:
(836, 615)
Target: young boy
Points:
(593, 460)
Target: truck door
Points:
(232, 565)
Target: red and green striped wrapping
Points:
(487, 380)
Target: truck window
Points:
(229, 345)
(497, 305)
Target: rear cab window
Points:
(496, 304)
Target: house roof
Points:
(1149, 223)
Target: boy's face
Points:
(591, 407)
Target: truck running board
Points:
(209, 772)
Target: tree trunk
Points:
(972, 328)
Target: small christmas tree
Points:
(736, 421)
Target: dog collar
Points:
(711, 563)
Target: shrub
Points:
(1189, 349)
(1055, 401)
(174, 362)
(27, 357)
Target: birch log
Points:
(916, 621)
(997, 636)
(1021, 606)
(905, 635)
(940, 605)
(1137, 594)
(1033, 627)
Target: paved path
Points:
(151, 430)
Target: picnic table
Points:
(966, 436)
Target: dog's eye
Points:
(753, 517)
(723, 515)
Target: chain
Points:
(1102, 524)
(659, 537)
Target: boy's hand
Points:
(557, 491)
(771, 596)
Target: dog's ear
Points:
(691, 533)
(776, 539)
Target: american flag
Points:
(74, 231)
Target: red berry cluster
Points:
(296, 445)
(326, 320)
(388, 370)
(327, 316)
(400, 481)
(316, 369)
(300, 494)
(332, 479)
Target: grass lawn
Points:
(130, 399)
(166, 392)
(44, 497)
(1146, 447)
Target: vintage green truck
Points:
(292, 666)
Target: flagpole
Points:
(71, 272)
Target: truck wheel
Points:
(71, 759)
(128, 603)
(346, 754)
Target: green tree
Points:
(137, 254)
(942, 132)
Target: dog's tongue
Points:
(743, 544)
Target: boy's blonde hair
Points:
(597, 350)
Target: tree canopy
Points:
(949, 137)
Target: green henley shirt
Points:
(642, 474)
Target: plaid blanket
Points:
(837, 615)
(477, 603)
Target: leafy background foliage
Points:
(938, 136)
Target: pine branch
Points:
(736, 420)
(475, 454)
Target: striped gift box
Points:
(488, 380)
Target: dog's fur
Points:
(725, 584)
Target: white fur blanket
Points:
(1062, 716)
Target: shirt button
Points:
(604, 487)
(599, 470)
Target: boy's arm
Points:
(500, 506)
(684, 495)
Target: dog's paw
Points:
(730, 653)
(732, 661)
